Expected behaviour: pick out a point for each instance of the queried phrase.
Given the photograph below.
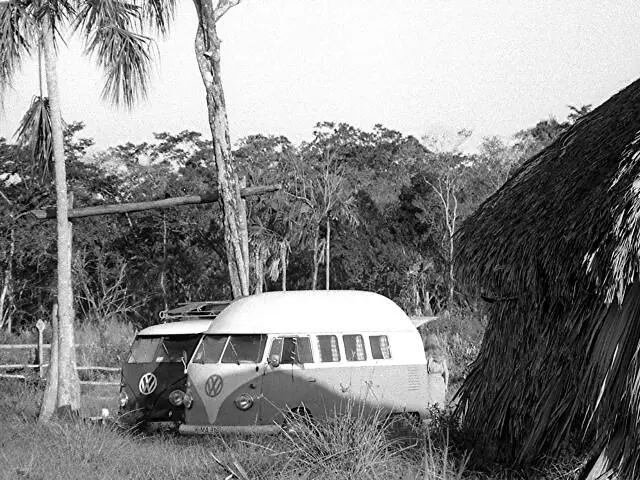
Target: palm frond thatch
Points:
(557, 246)
(34, 133)
(575, 202)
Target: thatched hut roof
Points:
(570, 213)
(558, 248)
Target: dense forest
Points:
(372, 210)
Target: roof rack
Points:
(205, 310)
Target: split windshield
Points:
(163, 349)
(231, 349)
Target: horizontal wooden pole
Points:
(22, 377)
(9, 375)
(24, 346)
(21, 346)
(99, 383)
(21, 365)
(210, 197)
(17, 365)
(105, 369)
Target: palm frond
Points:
(159, 14)
(111, 30)
(58, 12)
(16, 39)
(34, 133)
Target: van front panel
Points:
(226, 369)
(154, 369)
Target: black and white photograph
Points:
(319, 239)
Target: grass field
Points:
(351, 446)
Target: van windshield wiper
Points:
(132, 357)
(165, 350)
(233, 349)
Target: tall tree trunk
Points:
(316, 258)
(451, 280)
(68, 381)
(416, 296)
(283, 264)
(5, 294)
(207, 48)
(163, 274)
(50, 397)
(243, 225)
(327, 258)
(258, 254)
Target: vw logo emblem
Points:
(213, 387)
(148, 383)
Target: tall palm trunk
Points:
(5, 294)
(283, 264)
(316, 257)
(68, 395)
(258, 255)
(50, 397)
(327, 258)
(163, 272)
(207, 48)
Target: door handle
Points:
(312, 380)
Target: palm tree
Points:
(114, 34)
(324, 198)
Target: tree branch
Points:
(140, 206)
(6, 199)
(223, 7)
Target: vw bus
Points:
(304, 351)
(153, 378)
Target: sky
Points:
(416, 66)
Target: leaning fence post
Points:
(40, 325)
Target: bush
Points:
(460, 333)
(104, 344)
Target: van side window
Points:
(328, 348)
(380, 347)
(354, 348)
(292, 349)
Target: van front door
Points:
(288, 381)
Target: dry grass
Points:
(354, 445)
(105, 344)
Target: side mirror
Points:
(274, 361)
(183, 359)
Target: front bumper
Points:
(211, 429)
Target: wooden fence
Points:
(41, 366)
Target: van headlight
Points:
(244, 401)
(177, 398)
(124, 399)
(187, 399)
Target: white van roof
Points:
(184, 327)
(315, 311)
